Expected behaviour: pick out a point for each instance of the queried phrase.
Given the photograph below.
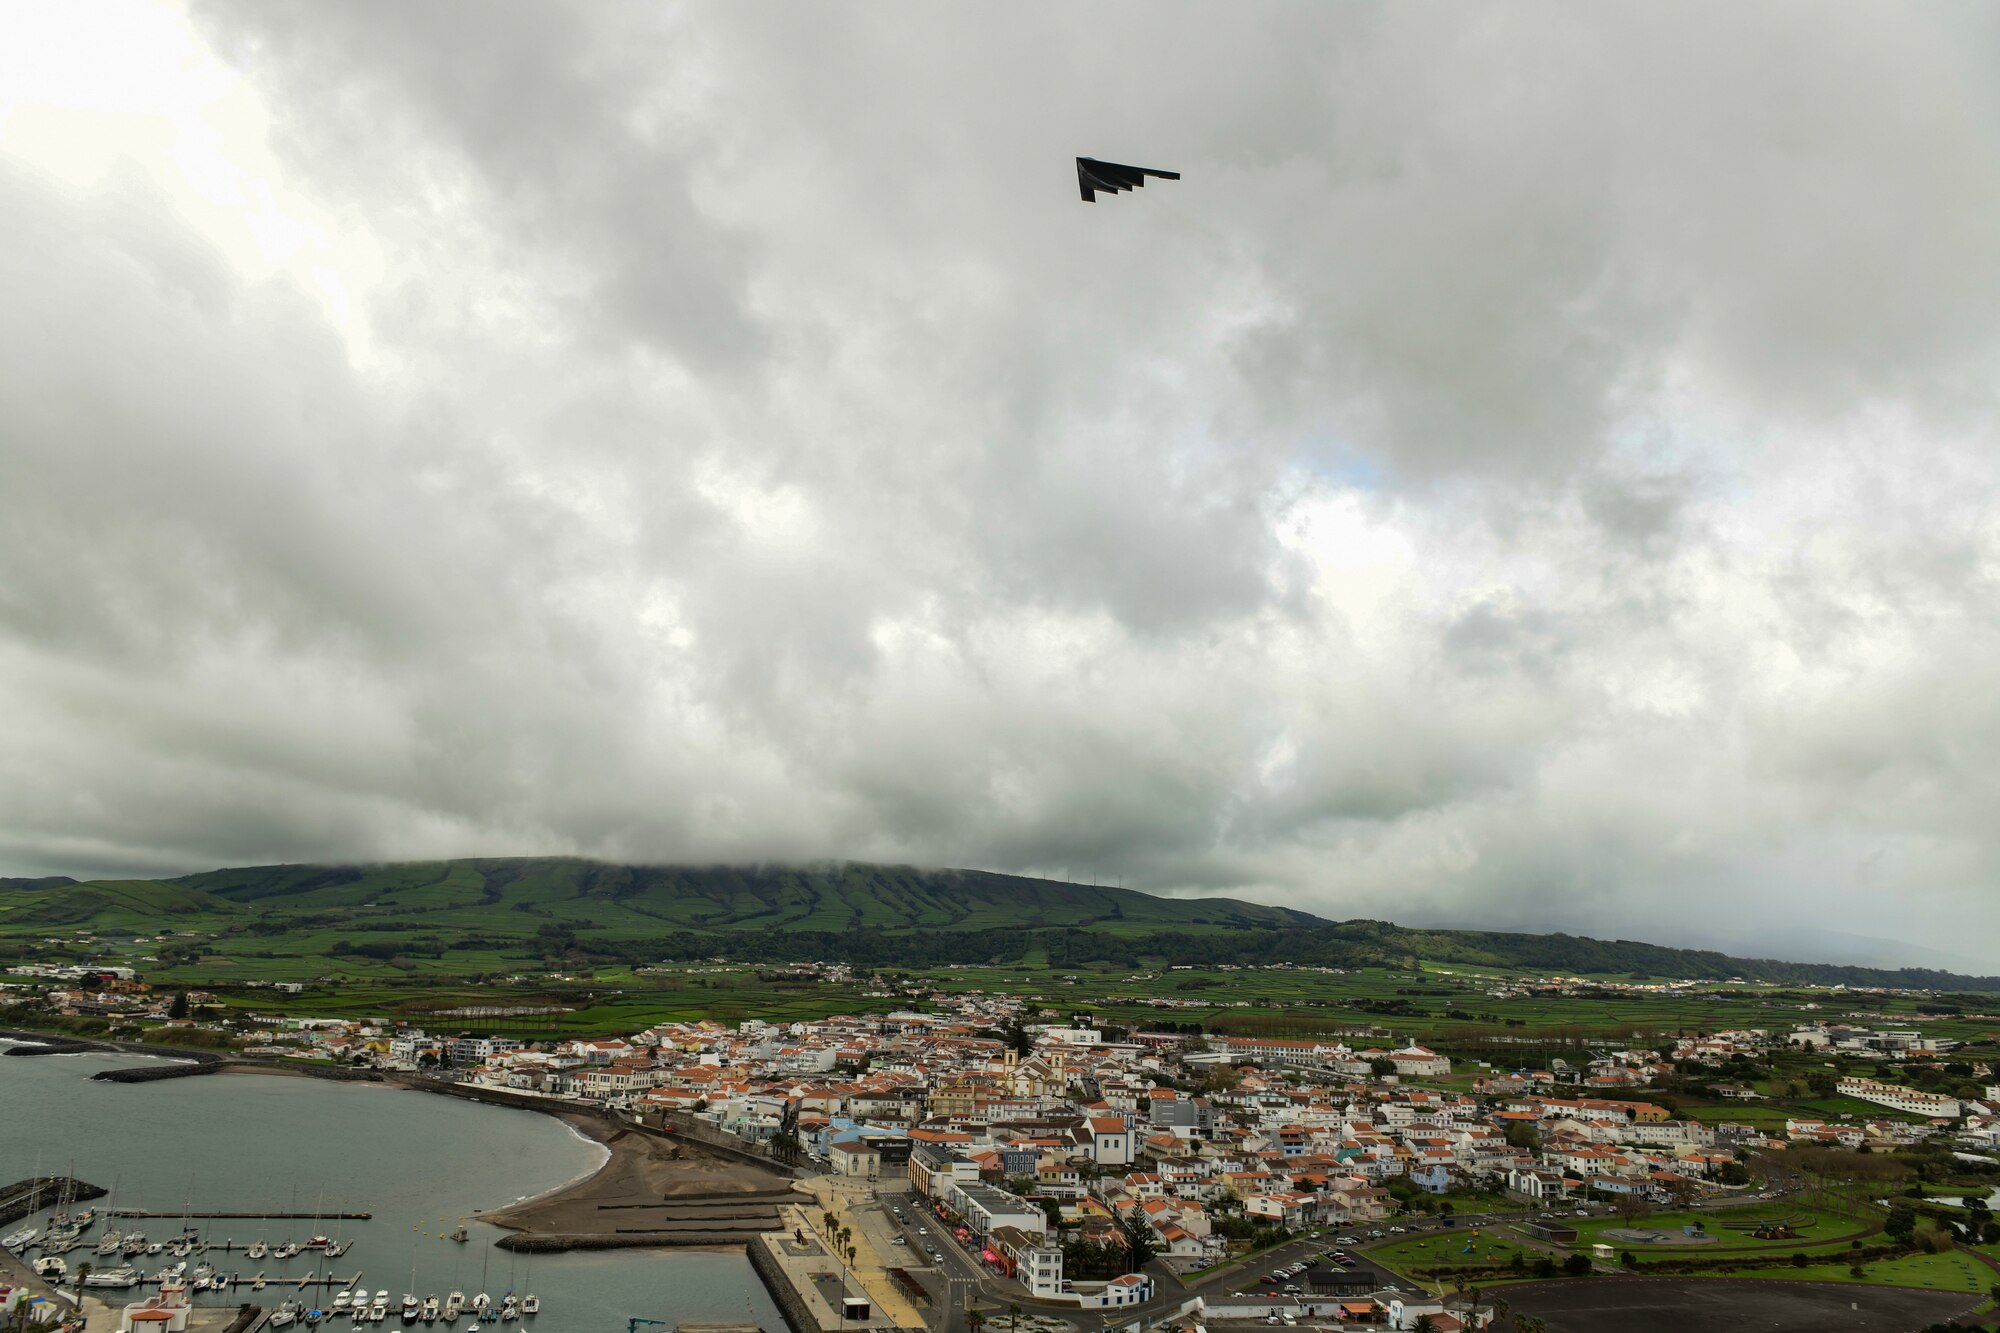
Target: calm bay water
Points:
(419, 1163)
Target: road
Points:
(959, 1279)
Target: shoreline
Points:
(650, 1188)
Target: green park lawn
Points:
(1447, 1249)
(1816, 1225)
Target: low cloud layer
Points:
(1536, 469)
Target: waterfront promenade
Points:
(874, 1255)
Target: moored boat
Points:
(531, 1304)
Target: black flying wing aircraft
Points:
(1111, 177)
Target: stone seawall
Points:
(693, 1129)
(789, 1303)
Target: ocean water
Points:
(421, 1164)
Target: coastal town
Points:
(982, 1154)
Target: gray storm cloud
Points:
(1536, 469)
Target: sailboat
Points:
(530, 1304)
(481, 1301)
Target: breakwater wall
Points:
(46, 1045)
(61, 1043)
(25, 1197)
(155, 1073)
(524, 1243)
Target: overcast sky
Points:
(1538, 469)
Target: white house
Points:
(1110, 1141)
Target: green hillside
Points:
(429, 922)
(828, 897)
(113, 904)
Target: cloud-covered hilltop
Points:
(1530, 472)
(449, 917)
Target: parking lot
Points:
(1306, 1277)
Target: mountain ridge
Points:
(864, 912)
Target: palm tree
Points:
(1500, 1308)
(1014, 1318)
(976, 1320)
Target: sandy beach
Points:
(650, 1188)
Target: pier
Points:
(231, 1243)
(280, 1217)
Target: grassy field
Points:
(1456, 1248)
(431, 958)
(1723, 1227)
(379, 940)
(1949, 1271)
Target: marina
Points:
(242, 1173)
